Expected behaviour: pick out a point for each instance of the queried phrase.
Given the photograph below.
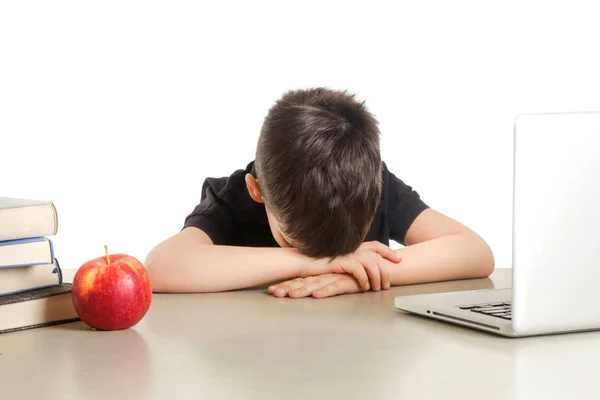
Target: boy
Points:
(315, 211)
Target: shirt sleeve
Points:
(404, 207)
(213, 215)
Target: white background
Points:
(118, 110)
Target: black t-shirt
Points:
(229, 216)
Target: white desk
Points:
(248, 345)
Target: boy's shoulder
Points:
(230, 216)
(231, 191)
(230, 184)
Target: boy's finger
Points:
(385, 252)
(282, 289)
(327, 291)
(372, 271)
(272, 289)
(333, 289)
(357, 270)
(306, 290)
(385, 277)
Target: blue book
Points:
(26, 252)
(25, 279)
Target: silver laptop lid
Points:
(556, 223)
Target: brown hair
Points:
(318, 163)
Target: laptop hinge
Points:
(497, 328)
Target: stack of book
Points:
(32, 291)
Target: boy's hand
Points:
(365, 264)
(319, 287)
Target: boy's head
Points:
(318, 171)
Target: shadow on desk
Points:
(78, 362)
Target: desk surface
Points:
(248, 345)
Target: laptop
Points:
(555, 237)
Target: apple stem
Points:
(106, 250)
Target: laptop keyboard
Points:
(499, 310)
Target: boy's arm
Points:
(438, 249)
(189, 262)
(441, 249)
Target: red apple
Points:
(112, 292)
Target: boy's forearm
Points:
(210, 268)
(460, 256)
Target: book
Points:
(24, 218)
(37, 308)
(21, 279)
(26, 252)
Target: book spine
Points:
(58, 271)
(51, 244)
(30, 240)
(29, 289)
(22, 265)
(33, 239)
